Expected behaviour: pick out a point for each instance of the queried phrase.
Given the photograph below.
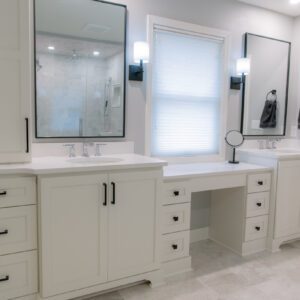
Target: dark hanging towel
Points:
(269, 115)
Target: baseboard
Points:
(197, 235)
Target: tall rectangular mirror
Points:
(80, 55)
(265, 92)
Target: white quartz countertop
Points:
(279, 154)
(184, 171)
(56, 165)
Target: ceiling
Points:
(281, 6)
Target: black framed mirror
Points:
(80, 63)
(265, 89)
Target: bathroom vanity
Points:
(105, 225)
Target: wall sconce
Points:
(243, 66)
(141, 56)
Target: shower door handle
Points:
(27, 135)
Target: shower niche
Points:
(80, 69)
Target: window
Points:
(186, 92)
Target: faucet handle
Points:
(98, 149)
(72, 152)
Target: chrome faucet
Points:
(98, 151)
(72, 152)
(85, 149)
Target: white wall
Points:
(230, 15)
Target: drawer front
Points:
(18, 229)
(259, 183)
(18, 275)
(176, 217)
(176, 192)
(258, 204)
(256, 228)
(17, 191)
(175, 245)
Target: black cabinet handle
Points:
(260, 182)
(176, 193)
(176, 219)
(257, 228)
(4, 193)
(6, 278)
(259, 204)
(27, 135)
(105, 194)
(175, 247)
(4, 232)
(114, 193)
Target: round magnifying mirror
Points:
(234, 139)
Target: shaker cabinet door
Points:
(15, 80)
(133, 223)
(73, 218)
(287, 221)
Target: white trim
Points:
(153, 22)
(197, 235)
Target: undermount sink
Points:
(94, 160)
(290, 151)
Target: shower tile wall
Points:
(71, 89)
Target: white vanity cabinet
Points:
(15, 80)
(97, 228)
(287, 216)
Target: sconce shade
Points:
(243, 66)
(141, 52)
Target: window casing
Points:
(186, 109)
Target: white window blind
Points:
(186, 94)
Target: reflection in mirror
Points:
(80, 63)
(265, 92)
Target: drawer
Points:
(176, 192)
(176, 217)
(18, 275)
(256, 228)
(18, 229)
(175, 245)
(258, 204)
(17, 191)
(259, 183)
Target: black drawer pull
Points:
(4, 193)
(175, 247)
(260, 183)
(105, 194)
(6, 278)
(259, 204)
(258, 228)
(176, 193)
(4, 232)
(114, 193)
(176, 219)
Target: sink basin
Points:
(94, 160)
(290, 151)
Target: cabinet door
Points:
(15, 79)
(73, 222)
(287, 221)
(133, 223)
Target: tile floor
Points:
(222, 275)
